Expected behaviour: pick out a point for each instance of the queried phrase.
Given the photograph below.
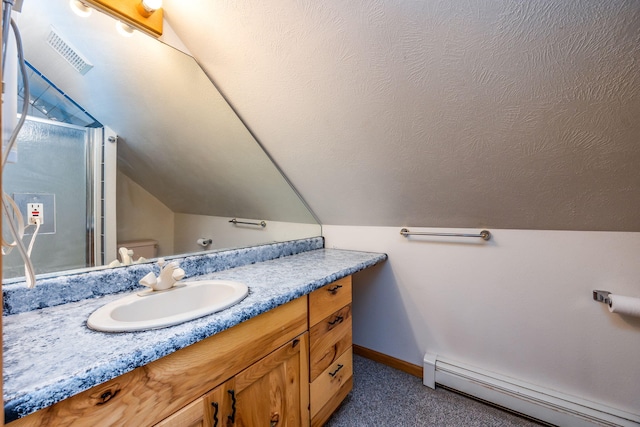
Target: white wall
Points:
(189, 228)
(518, 305)
(141, 216)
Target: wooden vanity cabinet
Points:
(330, 348)
(241, 402)
(265, 394)
(289, 367)
(269, 393)
(168, 389)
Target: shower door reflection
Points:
(55, 166)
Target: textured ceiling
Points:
(446, 113)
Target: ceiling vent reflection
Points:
(68, 52)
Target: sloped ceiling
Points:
(442, 113)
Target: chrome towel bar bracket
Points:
(484, 234)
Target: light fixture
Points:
(124, 30)
(143, 15)
(80, 8)
(147, 7)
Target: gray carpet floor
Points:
(383, 396)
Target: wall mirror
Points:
(186, 164)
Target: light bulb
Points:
(147, 7)
(124, 29)
(79, 8)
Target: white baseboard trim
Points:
(528, 399)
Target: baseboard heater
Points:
(527, 399)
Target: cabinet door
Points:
(270, 393)
(221, 406)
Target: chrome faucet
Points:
(170, 273)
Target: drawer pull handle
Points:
(232, 417)
(334, 373)
(215, 413)
(334, 289)
(338, 319)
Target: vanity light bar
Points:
(128, 12)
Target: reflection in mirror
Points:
(186, 164)
(54, 168)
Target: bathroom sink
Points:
(151, 310)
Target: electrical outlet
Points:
(35, 211)
(48, 209)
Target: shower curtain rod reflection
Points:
(236, 222)
(484, 234)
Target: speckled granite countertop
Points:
(50, 354)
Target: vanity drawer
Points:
(331, 387)
(329, 298)
(328, 339)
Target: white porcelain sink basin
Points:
(152, 310)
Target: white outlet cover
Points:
(48, 202)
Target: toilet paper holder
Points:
(204, 242)
(602, 296)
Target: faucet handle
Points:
(178, 274)
(125, 255)
(149, 280)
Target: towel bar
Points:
(261, 223)
(484, 234)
